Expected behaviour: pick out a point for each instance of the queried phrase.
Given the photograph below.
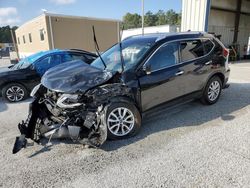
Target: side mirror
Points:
(147, 68)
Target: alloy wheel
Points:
(120, 121)
(214, 90)
(15, 93)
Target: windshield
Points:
(27, 61)
(132, 51)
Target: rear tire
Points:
(212, 91)
(14, 92)
(123, 120)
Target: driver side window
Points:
(165, 57)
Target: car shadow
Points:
(3, 105)
(49, 146)
(191, 114)
(236, 97)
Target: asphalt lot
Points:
(191, 145)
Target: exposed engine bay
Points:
(78, 115)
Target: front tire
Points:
(123, 120)
(212, 91)
(14, 92)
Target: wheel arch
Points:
(220, 75)
(12, 82)
(126, 99)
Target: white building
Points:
(148, 30)
(228, 18)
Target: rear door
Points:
(196, 62)
(165, 81)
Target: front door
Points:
(165, 80)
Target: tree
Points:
(131, 21)
(171, 17)
(150, 19)
(5, 35)
(161, 18)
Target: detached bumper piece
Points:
(21, 140)
(20, 143)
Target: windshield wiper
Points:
(97, 47)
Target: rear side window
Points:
(82, 57)
(90, 58)
(190, 50)
(208, 45)
(218, 46)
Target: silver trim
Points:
(180, 63)
(179, 73)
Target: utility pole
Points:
(142, 17)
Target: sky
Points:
(17, 12)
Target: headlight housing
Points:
(68, 101)
(34, 90)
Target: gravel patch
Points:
(190, 145)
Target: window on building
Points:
(30, 38)
(41, 34)
(18, 40)
(191, 50)
(24, 39)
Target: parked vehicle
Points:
(18, 80)
(90, 103)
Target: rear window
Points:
(191, 50)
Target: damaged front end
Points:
(71, 106)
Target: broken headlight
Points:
(38, 91)
(68, 101)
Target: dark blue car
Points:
(18, 80)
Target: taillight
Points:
(225, 52)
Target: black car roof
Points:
(169, 36)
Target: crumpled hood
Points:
(74, 76)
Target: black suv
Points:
(106, 98)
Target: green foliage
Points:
(150, 19)
(5, 35)
(169, 17)
(131, 20)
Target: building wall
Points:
(77, 33)
(222, 22)
(155, 29)
(66, 32)
(33, 27)
(226, 4)
(194, 15)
